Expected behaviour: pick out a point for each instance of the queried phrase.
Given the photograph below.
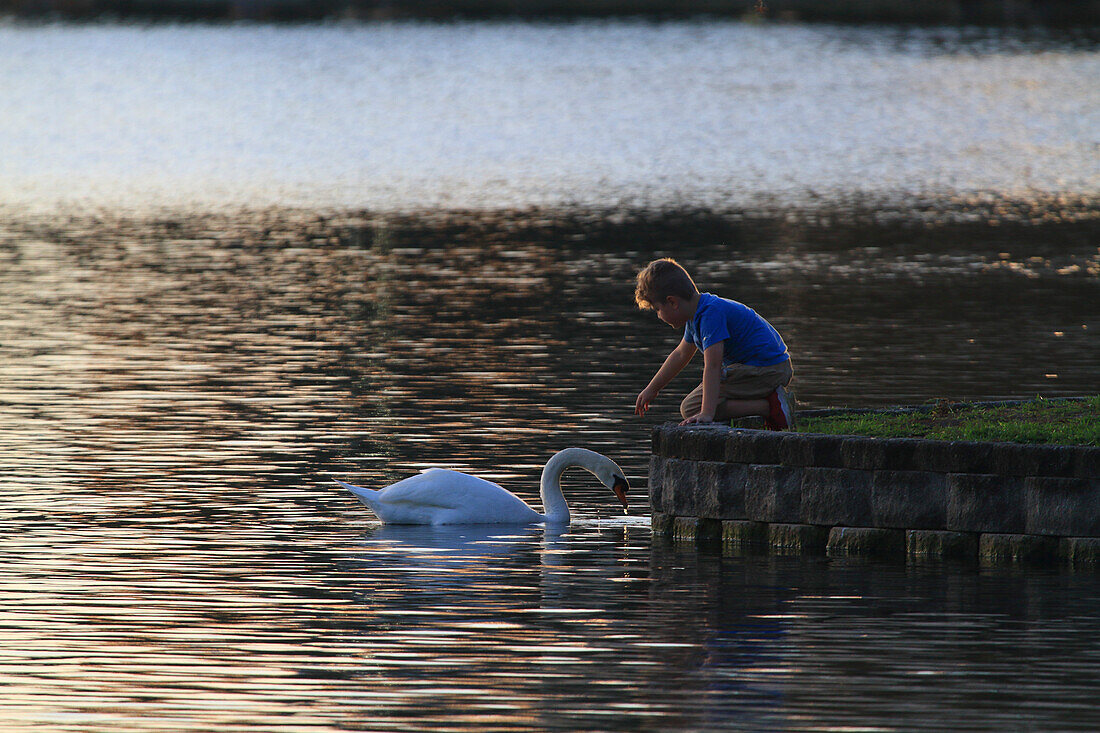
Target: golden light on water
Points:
(187, 361)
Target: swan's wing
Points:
(443, 488)
(450, 497)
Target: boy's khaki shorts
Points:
(741, 382)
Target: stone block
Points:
(697, 443)
(795, 448)
(954, 456)
(673, 442)
(941, 545)
(773, 494)
(1080, 550)
(998, 548)
(871, 454)
(704, 499)
(1066, 507)
(752, 422)
(985, 503)
(685, 528)
(804, 449)
(864, 454)
(803, 539)
(680, 490)
(867, 542)
(721, 489)
(1010, 459)
(833, 496)
(909, 500)
(693, 529)
(742, 533)
(1086, 463)
(708, 530)
(661, 524)
(753, 446)
(656, 483)
(898, 454)
(656, 440)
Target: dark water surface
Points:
(176, 393)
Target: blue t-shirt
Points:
(749, 339)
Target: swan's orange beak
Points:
(620, 487)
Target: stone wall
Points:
(883, 497)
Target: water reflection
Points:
(281, 347)
(159, 628)
(401, 116)
(177, 393)
(177, 386)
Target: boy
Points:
(746, 367)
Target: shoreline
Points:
(855, 209)
(1060, 14)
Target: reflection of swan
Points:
(452, 544)
(441, 496)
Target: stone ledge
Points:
(803, 539)
(866, 542)
(1016, 548)
(744, 534)
(888, 544)
(743, 445)
(1080, 550)
(937, 545)
(942, 495)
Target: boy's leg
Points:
(728, 409)
(758, 391)
(733, 409)
(746, 391)
(690, 405)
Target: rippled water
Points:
(176, 625)
(501, 115)
(185, 364)
(176, 394)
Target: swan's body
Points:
(442, 496)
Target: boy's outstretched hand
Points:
(642, 403)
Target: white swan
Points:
(442, 496)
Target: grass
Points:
(1061, 422)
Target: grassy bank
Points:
(1063, 422)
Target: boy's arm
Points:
(712, 377)
(674, 362)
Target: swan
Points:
(443, 496)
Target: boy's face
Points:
(673, 311)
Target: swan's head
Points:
(620, 487)
(602, 467)
(611, 476)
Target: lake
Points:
(237, 261)
(495, 115)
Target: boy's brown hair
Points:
(660, 279)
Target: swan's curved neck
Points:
(553, 501)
